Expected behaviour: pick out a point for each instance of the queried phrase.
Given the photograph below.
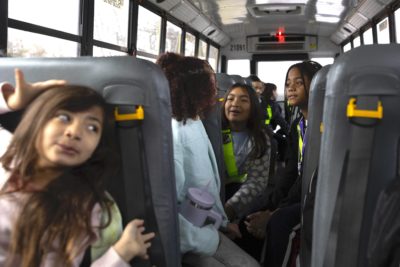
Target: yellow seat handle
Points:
(138, 115)
(353, 112)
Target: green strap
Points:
(230, 161)
(269, 112)
(300, 144)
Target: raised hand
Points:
(133, 242)
(23, 93)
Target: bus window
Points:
(397, 27)
(347, 47)
(190, 42)
(111, 22)
(382, 29)
(27, 44)
(104, 52)
(202, 49)
(323, 60)
(173, 38)
(62, 15)
(368, 38)
(213, 58)
(356, 42)
(275, 72)
(239, 67)
(148, 34)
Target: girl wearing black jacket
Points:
(282, 205)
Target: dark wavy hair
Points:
(58, 217)
(254, 123)
(192, 85)
(254, 78)
(268, 91)
(307, 69)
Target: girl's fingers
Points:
(148, 236)
(138, 222)
(19, 78)
(49, 83)
(249, 217)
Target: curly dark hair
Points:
(192, 85)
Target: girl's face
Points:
(237, 105)
(70, 138)
(296, 88)
(259, 87)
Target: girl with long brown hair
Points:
(247, 150)
(53, 196)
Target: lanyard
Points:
(301, 130)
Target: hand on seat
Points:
(133, 242)
(232, 231)
(256, 223)
(23, 93)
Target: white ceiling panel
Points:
(200, 23)
(358, 19)
(369, 8)
(166, 5)
(185, 11)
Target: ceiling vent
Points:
(210, 31)
(267, 10)
(271, 44)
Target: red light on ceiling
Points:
(280, 35)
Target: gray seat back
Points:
(313, 144)
(224, 82)
(358, 157)
(238, 78)
(314, 127)
(212, 124)
(248, 81)
(127, 82)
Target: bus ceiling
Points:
(246, 27)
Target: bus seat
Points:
(212, 124)
(238, 78)
(311, 156)
(248, 82)
(145, 186)
(359, 152)
(224, 82)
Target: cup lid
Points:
(201, 197)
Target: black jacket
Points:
(287, 189)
